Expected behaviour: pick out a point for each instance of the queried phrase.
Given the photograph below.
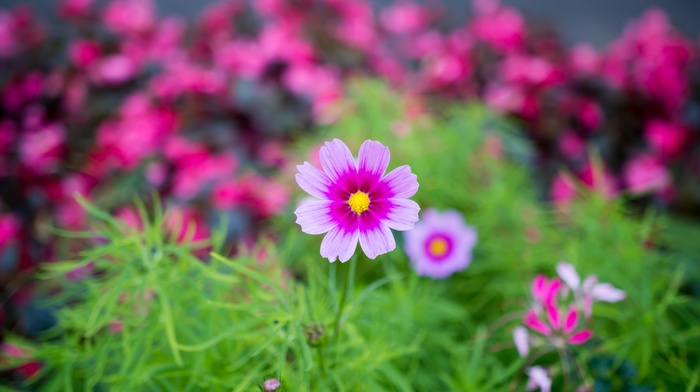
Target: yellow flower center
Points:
(359, 202)
(438, 247)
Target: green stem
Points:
(320, 360)
(347, 287)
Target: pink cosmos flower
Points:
(588, 292)
(440, 244)
(357, 201)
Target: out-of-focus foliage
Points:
(152, 316)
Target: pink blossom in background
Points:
(584, 60)
(129, 16)
(84, 52)
(571, 145)
(41, 149)
(113, 70)
(501, 27)
(356, 25)
(404, 17)
(322, 85)
(599, 179)
(186, 225)
(9, 44)
(504, 97)
(666, 138)
(357, 202)
(27, 369)
(75, 9)
(130, 217)
(9, 229)
(192, 176)
(645, 174)
(530, 71)
(562, 190)
(440, 244)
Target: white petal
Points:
(337, 160)
(314, 217)
(339, 244)
(402, 182)
(402, 215)
(568, 274)
(607, 293)
(520, 340)
(377, 241)
(373, 159)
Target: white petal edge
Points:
(339, 244)
(373, 158)
(314, 217)
(568, 274)
(402, 215)
(315, 182)
(336, 160)
(377, 241)
(402, 182)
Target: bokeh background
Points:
(203, 104)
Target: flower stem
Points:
(347, 286)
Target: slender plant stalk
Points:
(347, 286)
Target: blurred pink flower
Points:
(501, 27)
(41, 149)
(129, 16)
(9, 44)
(113, 70)
(26, 370)
(584, 60)
(644, 174)
(84, 52)
(667, 138)
(356, 24)
(405, 17)
(75, 9)
(571, 145)
(9, 229)
(192, 176)
(186, 224)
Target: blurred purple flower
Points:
(440, 244)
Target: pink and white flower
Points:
(441, 244)
(588, 292)
(357, 202)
